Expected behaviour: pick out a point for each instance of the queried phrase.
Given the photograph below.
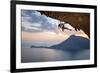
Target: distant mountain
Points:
(33, 46)
(73, 43)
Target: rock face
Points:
(77, 20)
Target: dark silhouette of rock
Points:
(72, 44)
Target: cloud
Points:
(34, 21)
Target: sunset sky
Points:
(37, 27)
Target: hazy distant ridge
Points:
(73, 43)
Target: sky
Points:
(35, 22)
(39, 27)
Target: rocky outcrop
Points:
(77, 20)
